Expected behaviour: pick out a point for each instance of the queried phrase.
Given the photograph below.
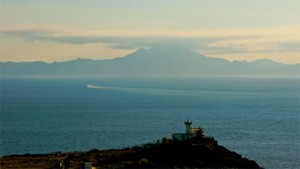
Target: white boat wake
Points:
(179, 91)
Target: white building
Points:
(189, 133)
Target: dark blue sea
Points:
(258, 118)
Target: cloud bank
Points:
(228, 41)
(213, 42)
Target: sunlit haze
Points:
(59, 30)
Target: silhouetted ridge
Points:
(199, 152)
(156, 61)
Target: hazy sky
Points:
(57, 30)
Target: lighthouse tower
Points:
(188, 126)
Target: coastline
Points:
(193, 153)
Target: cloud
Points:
(211, 41)
(291, 46)
(117, 41)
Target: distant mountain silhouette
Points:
(156, 61)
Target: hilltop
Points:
(156, 61)
(199, 152)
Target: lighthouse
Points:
(189, 133)
(188, 126)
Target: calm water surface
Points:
(256, 117)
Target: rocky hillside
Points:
(201, 152)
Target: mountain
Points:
(156, 61)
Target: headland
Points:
(191, 149)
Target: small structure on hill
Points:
(189, 133)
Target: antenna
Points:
(188, 116)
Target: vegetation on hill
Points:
(198, 152)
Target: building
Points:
(189, 133)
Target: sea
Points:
(257, 117)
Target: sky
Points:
(60, 30)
